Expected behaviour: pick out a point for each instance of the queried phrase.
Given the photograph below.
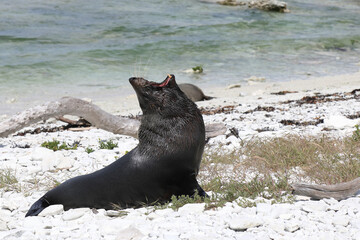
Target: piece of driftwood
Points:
(70, 106)
(337, 191)
(92, 113)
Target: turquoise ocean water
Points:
(88, 48)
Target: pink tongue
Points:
(165, 82)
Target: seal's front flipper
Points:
(37, 207)
(201, 191)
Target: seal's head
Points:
(163, 98)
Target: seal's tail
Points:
(37, 207)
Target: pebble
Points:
(52, 210)
(73, 214)
(130, 233)
(315, 206)
(193, 208)
(3, 226)
(242, 223)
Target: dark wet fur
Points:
(165, 162)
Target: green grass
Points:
(107, 144)
(89, 150)
(55, 145)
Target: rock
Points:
(9, 204)
(33, 222)
(112, 213)
(269, 5)
(65, 163)
(339, 122)
(130, 233)
(313, 206)
(5, 215)
(153, 216)
(263, 209)
(355, 223)
(280, 209)
(340, 220)
(73, 214)
(41, 153)
(164, 212)
(277, 226)
(114, 226)
(231, 3)
(3, 226)
(292, 226)
(171, 235)
(52, 210)
(241, 223)
(192, 208)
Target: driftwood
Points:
(92, 113)
(338, 191)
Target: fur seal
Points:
(165, 162)
(193, 92)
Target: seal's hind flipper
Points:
(37, 207)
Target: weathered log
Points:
(70, 106)
(337, 191)
(92, 113)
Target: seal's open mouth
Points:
(163, 83)
(141, 82)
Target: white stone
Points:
(153, 216)
(164, 212)
(356, 235)
(314, 206)
(171, 235)
(5, 215)
(355, 223)
(52, 210)
(192, 208)
(73, 214)
(112, 213)
(340, 220)
(65, 163)
(3, 226)
(41, 153)
(242, 223)
(292, 226)
(263, 209)
(280, 209)
(246, 236)
(339, 122)
(33, 222)
(277, 225)
(10, 204)
(130, 233)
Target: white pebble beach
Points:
(304, 219)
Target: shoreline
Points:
(125, 105)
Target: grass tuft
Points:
(107, 144)
(89, 150)
(54, 145)
(8, 180)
